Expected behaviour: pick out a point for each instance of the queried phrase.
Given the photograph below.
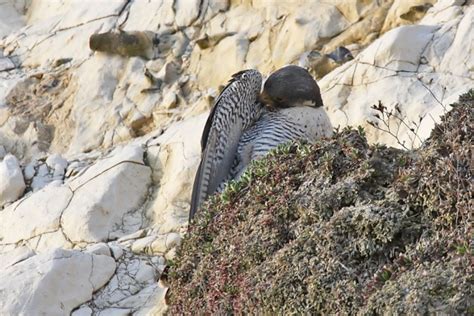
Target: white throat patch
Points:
(305, 103)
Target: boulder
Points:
(107, 197)
(53, 283)
(37, 214)
(12, 183)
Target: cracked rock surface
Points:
(424, 68)
(43, 282)
(12, 183)
(98, 150)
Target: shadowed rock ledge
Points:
(339, 227)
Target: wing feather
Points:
(235, 109)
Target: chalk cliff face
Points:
(98, 149)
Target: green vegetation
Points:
(338, 227)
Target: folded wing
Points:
(235, 110)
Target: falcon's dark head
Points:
(291, 86)
(340, 55)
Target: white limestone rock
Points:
(12, 183)
(107, 197)
(252, 42)
(44, 176)
(145, 301)
(144, 16)
(6, 64)
(115, 312)
(218, 6)
(117, 251)
(111, 95)
(53, 283)
(187, 11)
(47, 241)
(70, 22)
(135, 235)
(25, 145)
(443, 11)
(57, 163)
(97, 82)
(399, 50)
(83, 311)
(132, 287)
(458, 58)
(131, 154)
(30, 170)
(165, 242)
(174, 157)
(7, 82)
(79, 166)
(143, 244)
(14, 256)
(10, 18)
(169, 100)
(43, 170)
(416, 68)
(404, 12)
(158, 294)
(40, 182)
(99, 249)
(37, 214)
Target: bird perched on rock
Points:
(340, 55)
(245, 124)
(321, 64)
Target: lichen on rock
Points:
(338, 227)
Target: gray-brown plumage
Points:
(234, 111)
(244, 125)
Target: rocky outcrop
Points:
(99, 146)
(110, 99)
(105, 204)
(420, 69)
(43, 282)
(12, 183)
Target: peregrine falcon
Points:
(245, 124)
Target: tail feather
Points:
(196, 198)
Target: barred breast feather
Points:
(278, 127)
(234, 111)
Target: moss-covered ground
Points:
(339, 227)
